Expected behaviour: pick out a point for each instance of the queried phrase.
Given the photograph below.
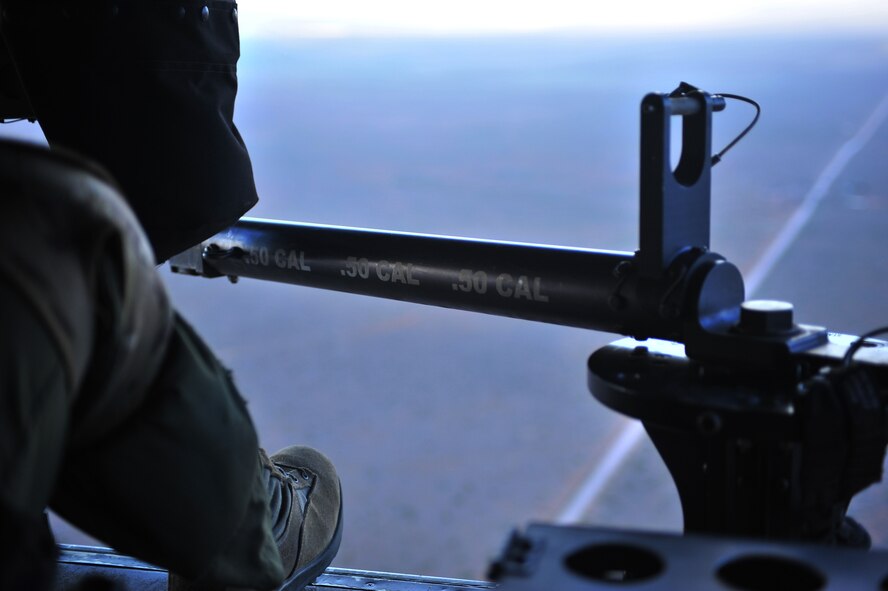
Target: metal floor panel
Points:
(77, 563)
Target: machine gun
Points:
(768, 427)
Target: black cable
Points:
(758, 111)
(856, 345)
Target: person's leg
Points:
(178, 483)
(144, 441)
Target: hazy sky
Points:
(368, 17)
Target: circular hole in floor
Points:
(615, 563)
(770, 573)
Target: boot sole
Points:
(311, 571)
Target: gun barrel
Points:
(556, 285)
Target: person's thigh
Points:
(177, 482)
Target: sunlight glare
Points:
(337, 18)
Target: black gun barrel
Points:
(556, 285)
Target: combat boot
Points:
(306, 511)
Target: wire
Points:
(758, 111)
(856, 345)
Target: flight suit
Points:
(112, 410)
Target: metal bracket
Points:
(675, 204)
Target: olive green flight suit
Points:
(112, 410)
